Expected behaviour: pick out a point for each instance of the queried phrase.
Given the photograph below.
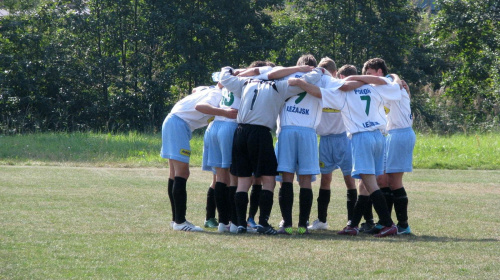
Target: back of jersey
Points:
(260, 103)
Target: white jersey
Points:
(261, 101)
(185, 108)
(399, 115)
(231, 101)
(331, 122)
(363, 108)
(304, 109)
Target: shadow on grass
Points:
(332, 235)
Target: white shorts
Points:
(175, 137)
(298, 150)
(220, 143)
(335, 152)
(367, 153)
(399, 150)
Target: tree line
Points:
(120, 65)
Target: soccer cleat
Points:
(186, 226)
(223, 228)
(233, 228)
(302, 230)
(387, 231)
(251, 223)
(211, 223)
(374, 230)
(285, 230)
(172, 224)
(348, 230)
(365, 227)
(404, 231)
(318, 225)
(269, 230)
(241, 230)
(282, 223)
(251, 230)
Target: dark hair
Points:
(259, 63)
(347, 70)
(307, 59)
(375, 64)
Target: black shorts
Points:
(253, 152)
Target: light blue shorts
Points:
(220, 143)
(298, 150)
(367, 153)
(175, 137)
(399, 150)
(335, 152)
(204, 159)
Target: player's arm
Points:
(351, 85)
(208, 109)
(281, 72)
(367, 79)
(231, 82)
(305, 86)
(249, 72)
(402, 83)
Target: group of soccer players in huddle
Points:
(351, 113)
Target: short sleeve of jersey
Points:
(213, 98)
(331, 95)
(390, 91)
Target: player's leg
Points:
(210, 220)
(323, 202)
(266, 205)
(285, 199)
(400, 201)
(254, 201)
(385, 188)
(352, 195)
(241, 202)
(305, 202)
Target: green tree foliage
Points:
(465, 35)
(112, 65)
(118, 65)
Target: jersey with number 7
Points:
(363, 108)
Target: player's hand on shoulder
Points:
(305, 68)
(231, 113)
(294, 81)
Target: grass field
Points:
(60, 222)
(480, 152)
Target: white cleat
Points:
(223, 227)
(233, 228)
(318, 225)
(186, 226)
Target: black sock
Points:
(380, 206)
(323, 202)
(401, 206)
(241, 201)
(265, 205)
(387, 192)
(368, 214)
(211, 206)
(171, 197)
(362, 202)
(231, 191)
(221, 202)
(352, 197)
(254, 200)
(180, 199)
(305, 204)
(285, 199)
